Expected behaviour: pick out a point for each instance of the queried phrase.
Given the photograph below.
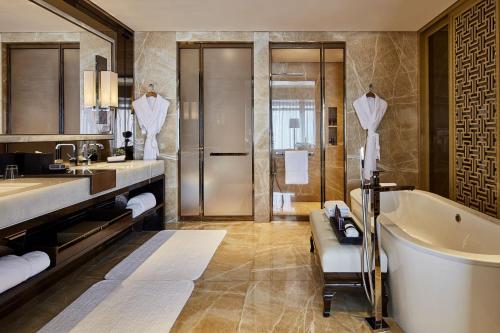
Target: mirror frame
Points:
(92, 18)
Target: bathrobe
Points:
(151, 113)
(370, 112)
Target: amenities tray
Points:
(342, 238)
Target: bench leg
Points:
(311, 241)
(327, 301)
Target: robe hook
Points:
(370, 87)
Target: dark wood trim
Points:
(23, 226)
(443, 15)
(93, 16)
(19, 295)
(37, 234)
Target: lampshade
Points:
(294, 123)
(108, 89)
(89, 89)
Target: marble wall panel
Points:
(215, 36)
(155, 62)
(262, 171)
(388, 60)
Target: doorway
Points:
(216, 131)
(307, 127)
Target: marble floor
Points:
(261, 279)
(298, 208)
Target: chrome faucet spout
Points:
(58, 150)
(86, 154)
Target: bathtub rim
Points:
(392, 228)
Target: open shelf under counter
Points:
(22, 138)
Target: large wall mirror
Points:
(45, 56)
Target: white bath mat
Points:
(124, 306)
(182, 255)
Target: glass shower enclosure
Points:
(307, 127)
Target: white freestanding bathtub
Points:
(444, 275)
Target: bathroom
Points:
(200, 109)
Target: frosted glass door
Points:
(227, 119)
(189, 132)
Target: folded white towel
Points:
(330, 208)
(350, 230)
(141, 203)
(296, 167)
(38, 261)
(13, 271)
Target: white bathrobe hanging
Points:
(151, 113)
(370, 112)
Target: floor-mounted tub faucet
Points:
(377, 322)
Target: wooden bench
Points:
(340, 264)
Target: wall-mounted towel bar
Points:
(228, 154)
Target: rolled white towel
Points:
(13, 271)
(351, 231)
(141, 203)
(38, 261)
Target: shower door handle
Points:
(229, 154)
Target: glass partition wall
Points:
(307, 127)
(216, 139)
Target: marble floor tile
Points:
(262, 278)
(213, 307)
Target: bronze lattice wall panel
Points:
(475, 107)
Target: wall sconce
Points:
(108, 89)
(89, 89)
(106, 96)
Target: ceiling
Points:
(274, 15)
(25, 16)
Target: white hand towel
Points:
(141, 203)
(13, 271)
(277, 200)
(351, 231)
(296, 167)
(38, 261)
(287, 202)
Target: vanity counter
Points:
(27, 198)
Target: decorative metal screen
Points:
(475, 107)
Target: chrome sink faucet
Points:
(58, 151)
(86, 150)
